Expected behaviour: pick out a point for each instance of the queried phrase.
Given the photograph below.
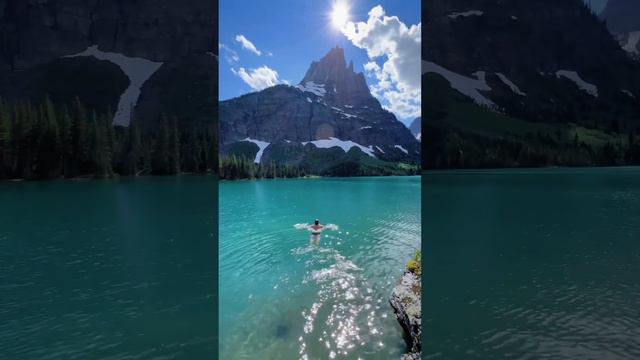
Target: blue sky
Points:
(289, 34)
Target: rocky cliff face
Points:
(36, 34)
(342, 84)
(330, 111)
(407, 305)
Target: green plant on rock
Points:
(415, 265)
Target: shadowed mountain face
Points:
(416, 128)
(622, 16)
(329, 119)
(518, 77)
(35, 37)
(623, 20)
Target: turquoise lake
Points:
(114, 269)
(532, 264)
(285, 297)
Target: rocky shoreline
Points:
(406, 301)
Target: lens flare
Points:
(339, 14)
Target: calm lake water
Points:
(282, 297)
(532, 264)
(108, 269)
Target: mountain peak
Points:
(345, 87)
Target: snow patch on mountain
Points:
(629, 93)
(138, 70)
(510, 84)
(583, 85)
(261, 146)
(456, 15)
(379, 149)
(399, 147)
(345, 145)
(465, 85)
(343, 113)
(419, 136)
(310, 86)
(632, 43)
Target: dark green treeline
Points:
(447, 149)
(234, 167)
(44, 141)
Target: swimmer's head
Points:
(317, 221)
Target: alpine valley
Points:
(329, 124)
(530, 83)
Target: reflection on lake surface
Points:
(532, 264)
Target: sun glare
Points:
(339, 14)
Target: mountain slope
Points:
(623, 20)
(518, 83)
(326, 124)
(416, 128)
(36, 38)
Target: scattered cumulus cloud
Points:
(229, 54)
(258, 79)
(396, 46)
(248, 45)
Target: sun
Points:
(339, 14)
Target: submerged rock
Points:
(406, 300)
(282, 331)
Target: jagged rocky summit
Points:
(407, 305)
(328, 124)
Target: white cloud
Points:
(231, 56)
(389, 40)
(258, 79)
(248, 45)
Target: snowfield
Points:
(465, 85)
(456, 15)
(310, 86)
(138, 70)
(510, 84)
(401, 149)
(583, 85)
(261, 145)
(344, 145)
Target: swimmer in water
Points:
(316, 228)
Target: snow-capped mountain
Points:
(328, 119)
